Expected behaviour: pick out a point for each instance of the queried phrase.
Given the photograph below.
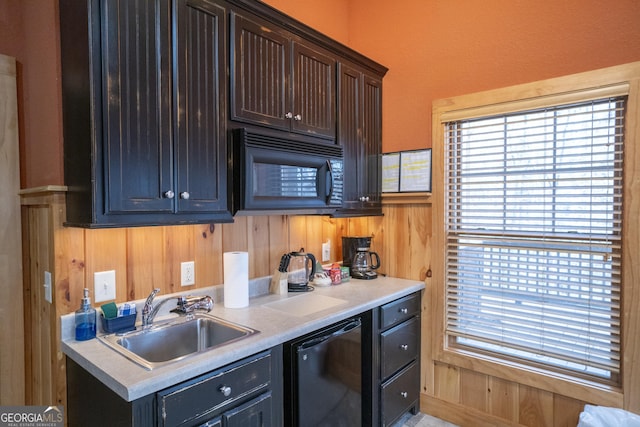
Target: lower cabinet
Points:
(398, 341)
(244, 393)
(374, 358)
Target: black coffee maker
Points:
(361, 261)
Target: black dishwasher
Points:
(327, 376)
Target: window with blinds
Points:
(533, 235)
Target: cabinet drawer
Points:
(400, 393)
(399, 346)
(399, 310)
(200, 397)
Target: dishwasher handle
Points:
(353, 324)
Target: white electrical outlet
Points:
(188, 273)
(104, 285)
(326, 251)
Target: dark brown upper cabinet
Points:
(360, 134)
(281, 81)
(144, 111)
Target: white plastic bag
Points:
(601, 416)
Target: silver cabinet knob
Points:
(289, 115)
(169, 194)
(404, 347)
(297, 117)
(404, 394)
(225, 390)
(404, 311)
(185, 195)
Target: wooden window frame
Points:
(625, 78)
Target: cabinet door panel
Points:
(350, 129)
(360, 134)
(255, 413)
(372, 137)
(400, 393)
(135, 61)
(399, 346)
(198, 91)
(260, 66)
(314, 105)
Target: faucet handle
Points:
(188, 304)
(148, 305)
(205, 303)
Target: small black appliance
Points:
(361, 261)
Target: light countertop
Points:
(267, 314)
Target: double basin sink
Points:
(175, 339)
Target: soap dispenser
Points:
(85, 319)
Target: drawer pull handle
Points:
(404, 394)
(404, 311)
(225, 390)
(404, 347)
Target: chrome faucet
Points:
(185, 305)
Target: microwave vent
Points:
(261, 140)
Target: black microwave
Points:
(276, 174)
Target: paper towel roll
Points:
(236, 279)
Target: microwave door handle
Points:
(329, 182)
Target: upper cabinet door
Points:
(199, 113)
(314, 105)
(261, 63)
(372, 137)
(360, 134)
(280, 82)
(136, 106)
(350, 132)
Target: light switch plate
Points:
(47, 287)
(104, 285)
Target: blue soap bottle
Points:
(85, 319)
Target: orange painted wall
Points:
(440, 48)
(433, 48)
(330, 17)
(29, 32)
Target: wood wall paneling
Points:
(502, 398)
(146, 258)
(208, 253)
(535, 407)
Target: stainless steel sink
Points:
(176, 339)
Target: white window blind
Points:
(533, 208)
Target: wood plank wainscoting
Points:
(148, 257)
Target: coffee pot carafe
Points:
(361, 261)
(300, 270)
(364, 263)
